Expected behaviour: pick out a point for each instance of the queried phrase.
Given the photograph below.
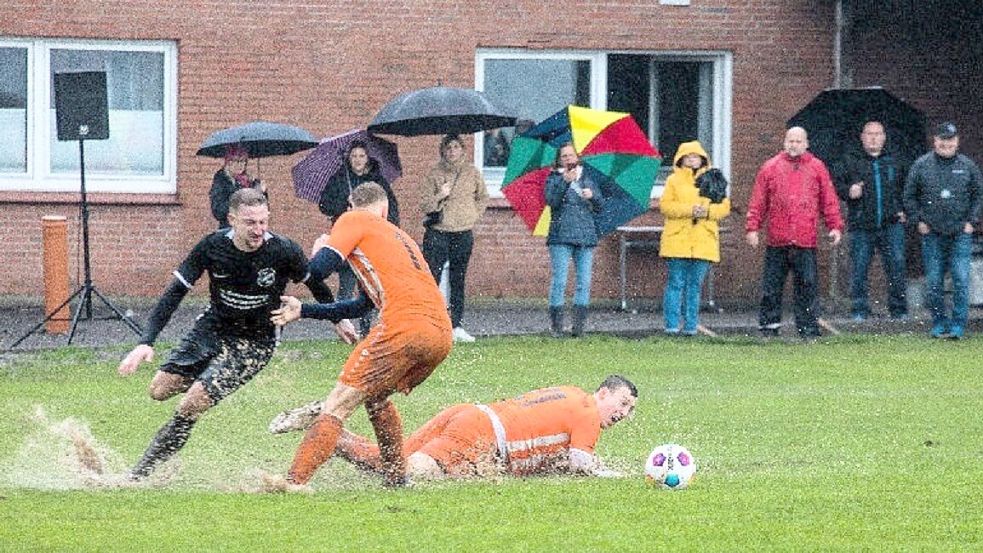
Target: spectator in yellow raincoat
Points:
(691, 239)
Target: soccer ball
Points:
(671, 466)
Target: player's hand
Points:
(346, 331)
(321, 242)
(901, 217)
(699, 211)
(856, 190)
(586, 193)
(835, 235)
(968, 228)
(289, 311)
(923, 228)
(752, 238)
(138, 355)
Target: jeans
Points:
(941, 254)
(778, 262)
(684, 275)
(889, 242)
(583, 260)
(455, 248)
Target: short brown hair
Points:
(246, 197)
(368, 193)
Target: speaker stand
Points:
(87, 289)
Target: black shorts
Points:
(222, 363)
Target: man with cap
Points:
(942, 195)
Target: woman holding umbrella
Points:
(231, 177)
(454, 197)
(574, 197)
(358, 167)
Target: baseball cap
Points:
(946, 130)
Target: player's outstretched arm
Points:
(138, 355)
(288, 312)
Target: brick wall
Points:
(313, 64)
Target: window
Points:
(140, 154)
(674, 97)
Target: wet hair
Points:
(236, 151)
(446, 141)
(556, 160)
(614, 381)
(368, 193)
(246, 197)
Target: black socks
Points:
(168, 441)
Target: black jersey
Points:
(244, 286)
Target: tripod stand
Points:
(87, 289)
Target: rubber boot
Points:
(556, 322)
(579, 317)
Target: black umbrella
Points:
(835, 118)
(439, 110)
(260, 139)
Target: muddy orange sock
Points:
(359, 451)
(315, 449)
(389, 432)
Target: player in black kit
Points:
(248, 269)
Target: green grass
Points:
(856, 443)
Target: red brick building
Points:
(727, 72)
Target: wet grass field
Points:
(849, 443)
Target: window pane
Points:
(135, 92)
(13, 110)
(533, 89)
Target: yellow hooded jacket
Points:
(682, 236)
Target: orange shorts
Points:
(397, 357)
(461, 440)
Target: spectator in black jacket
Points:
(870, 181)
(358, 167)
(227, 180)
(942, 195)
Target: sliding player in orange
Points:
(412, 337)
(546, 431)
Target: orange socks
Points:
(389, 433)
(315, 449)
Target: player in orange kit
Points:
(546, 431)
(412, 337)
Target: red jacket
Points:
(789, 194)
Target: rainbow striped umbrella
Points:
(606, 141)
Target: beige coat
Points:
(467, 201)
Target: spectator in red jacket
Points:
(790, 192)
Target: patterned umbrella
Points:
(606, 141)
(312, 173)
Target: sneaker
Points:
(900, 317)
(461, 335)
(956, 332)
(859, 318)
(938, 331)
(299, 418)
(671, 332)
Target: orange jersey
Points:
(389, 265)
(543, 425)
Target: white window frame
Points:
(38, 177)
(720, 107)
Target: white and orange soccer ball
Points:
(670, 466)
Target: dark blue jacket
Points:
(943, 193)
(883, 179)
(571, 216)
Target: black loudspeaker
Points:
(80, 103)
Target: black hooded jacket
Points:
(334, 197)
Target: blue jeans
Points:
(583, 260)
(889, 242)
(941, 254)
(685, 275)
